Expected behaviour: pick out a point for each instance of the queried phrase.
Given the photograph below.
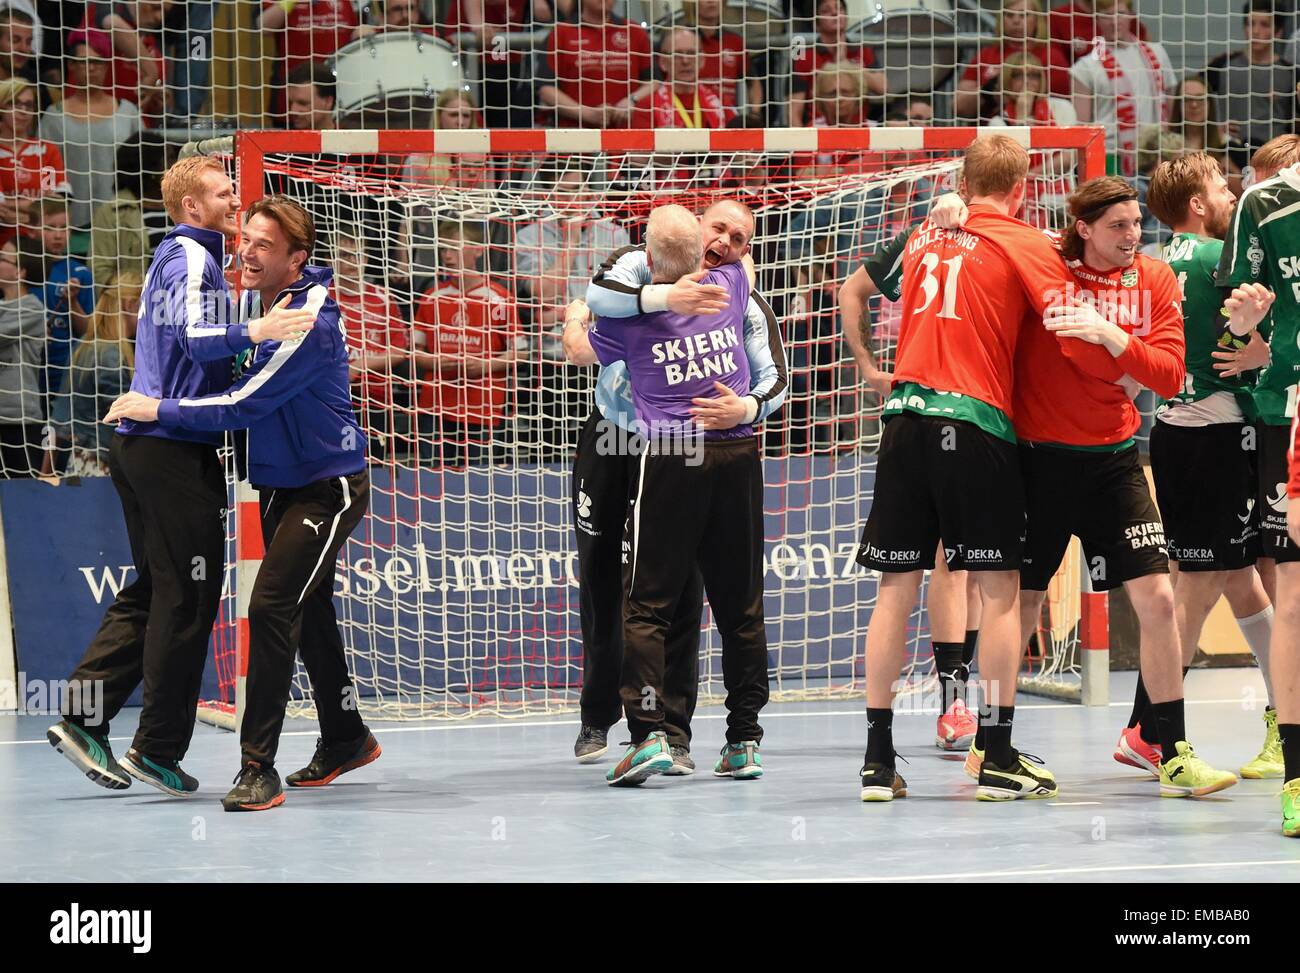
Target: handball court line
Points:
(502, 724)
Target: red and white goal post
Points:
(457, 595)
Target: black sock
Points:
(997, 737)
(1140, 703)
(968, 647)
(1170, 726)
(952, 678)
(880, 737)
(1149, 732)
(1290, 734)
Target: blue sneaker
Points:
(166, 775)
(89, 753)
(642, 761)
(740, 760)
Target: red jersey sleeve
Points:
(1156, 359)
(1043, 275)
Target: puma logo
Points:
(1176, 771)
(314, 527)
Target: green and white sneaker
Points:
(166, 775)
(89, 753)
(1291, 808)
(1268, 763)
(740, 760)
(1187, 775)
(641, 762)
(1025, 777)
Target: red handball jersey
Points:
(1067, 389)
(315, 30)
(372, 326)
(32, 168)
(967, 295)
(480, 323)
(597, 65)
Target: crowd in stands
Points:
(455, 321)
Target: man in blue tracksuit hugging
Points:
(306, 455)
(173, 494)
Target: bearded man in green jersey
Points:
(1203, 445)
(1260, 255)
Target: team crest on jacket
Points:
(1129, 278)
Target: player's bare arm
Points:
(856, 315)
(577, 346)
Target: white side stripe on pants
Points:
(347, 502)
(636, 519)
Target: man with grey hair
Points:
(694, 508)
(606, 463)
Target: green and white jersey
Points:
(1263, 246)
(885, 265)
(1206, 397)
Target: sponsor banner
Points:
(460, 579)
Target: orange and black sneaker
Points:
(257, 788)
(334, 759)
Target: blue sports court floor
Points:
(498, 800)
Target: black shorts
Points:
(1271, 499)
(943, 478)
(1102, 499)
(1205, 486)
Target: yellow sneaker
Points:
(1187, 775)
(1268, 763)
(1291, 808)
(974, 761)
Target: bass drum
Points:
(392, 79)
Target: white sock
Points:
(1258, 630)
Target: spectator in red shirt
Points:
(839, 101)
(310, 96)
(1027, 101)
(1074, 31)
(456, 110)
(593, 71)
(304, 30)
(29, 167)
(467, 341)
(138, 72)
(1022, 28)
(679, 100)
(831, 46)
(724, 61)
(378, 343)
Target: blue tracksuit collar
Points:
(212, 241)
(310, 277)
